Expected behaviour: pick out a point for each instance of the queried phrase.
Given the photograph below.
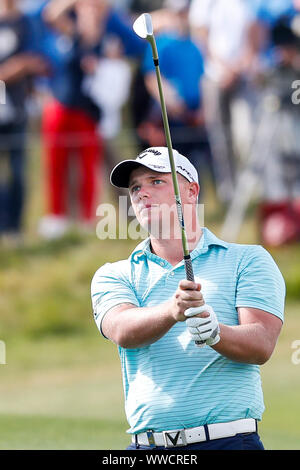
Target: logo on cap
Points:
(179, 167)
(145, 152)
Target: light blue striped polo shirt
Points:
(171, 383)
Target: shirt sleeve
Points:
(260, 283)
(30, 37)
(110, 287)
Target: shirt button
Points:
(162, 263)
(172, 273)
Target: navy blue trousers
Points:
(243, 441)
(12, 147)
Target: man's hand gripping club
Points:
(201, 320)
(203, 329)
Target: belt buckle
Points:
(151, 438)
(171, 438)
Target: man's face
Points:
(153, 201)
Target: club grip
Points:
(190, 277)
(189, 268)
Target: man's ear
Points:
(194, 190)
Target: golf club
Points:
(143, 27)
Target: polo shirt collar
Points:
(141, 250)
(208, 239)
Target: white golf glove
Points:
(203, 330)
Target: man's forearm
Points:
(13, 69)
(245, 343)
(137, 327)
(134, 327)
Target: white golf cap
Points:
(156, 159)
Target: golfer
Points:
(178, 394)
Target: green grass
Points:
(281, 384)
(61, 387)
(55, 433)
(62, 393)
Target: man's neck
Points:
(171, 249)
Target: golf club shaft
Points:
(187, 257)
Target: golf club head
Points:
(143, 26)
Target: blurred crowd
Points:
(230, 69)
